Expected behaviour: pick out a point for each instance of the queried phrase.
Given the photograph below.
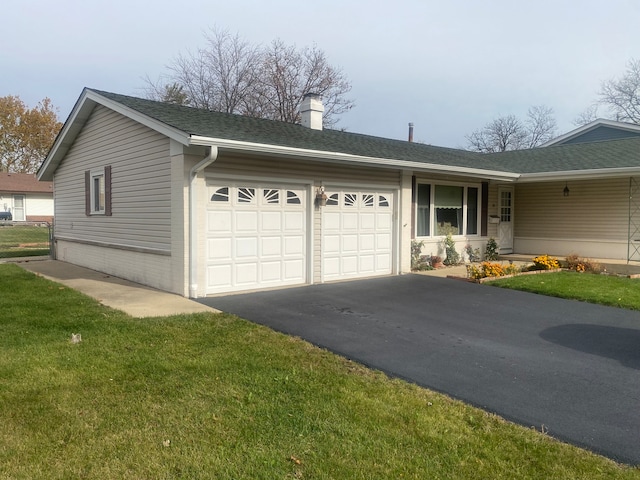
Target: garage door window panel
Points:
(271, 196)
(350, 199)
(246, 195)
(368, 200)
(221, 195)
(333, 200)
(293, 198)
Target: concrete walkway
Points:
(132, 298)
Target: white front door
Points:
(18, 208)
(505, 227)
(357, 234)
(256, 236)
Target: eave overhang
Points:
(338, 157)
(593, 174)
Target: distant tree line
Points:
(620, 98)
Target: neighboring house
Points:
(597, 131)
(26, 198)
(201, 203)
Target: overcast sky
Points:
(449, 67)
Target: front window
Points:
(448, 208)
(424, 208)
(443, 209)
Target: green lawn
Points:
(23, 241)
(603, 289)
(214, 396)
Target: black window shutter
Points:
(484, 209)
(414, 194)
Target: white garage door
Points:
(357, 234)
(256, 236)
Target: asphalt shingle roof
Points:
(193, 121)
(23, 183)
(623, 153)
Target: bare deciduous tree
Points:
(501, 134)
(230, 75)
(540, 125)
(510, 133)
(622, 96)
(289, 73)
(587, 116)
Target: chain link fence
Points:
(25, 239)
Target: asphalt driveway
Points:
(570, 368)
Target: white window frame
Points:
(98, 203)
(465, 212)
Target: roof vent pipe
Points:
(311, 110)
(411, 132)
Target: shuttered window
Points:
(98, 191)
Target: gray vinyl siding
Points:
(597, 210)
(601, 133)
(493, 209)
(320, 172)
(141, 181)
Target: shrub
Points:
(545, 262)
(512, 269)
(579, 264)
(453, 257)
(472, 254)
(491, 250)
(418, 261)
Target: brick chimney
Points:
(311, 110)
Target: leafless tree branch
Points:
(230, 75)
(622, 96)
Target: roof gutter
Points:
(595, 173)
(322, 155)
(193, 229)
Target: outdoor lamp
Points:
(321, 197)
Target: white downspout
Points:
(193, 226)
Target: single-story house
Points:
(202, 203)
(26, 198)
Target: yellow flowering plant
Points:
(545, 262)
(489, 269)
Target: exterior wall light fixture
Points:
(565, 191)
(321, 197)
